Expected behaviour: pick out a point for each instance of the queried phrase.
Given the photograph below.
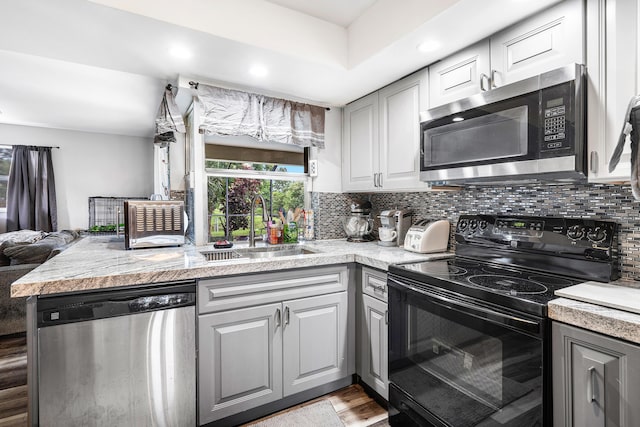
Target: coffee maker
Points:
(394, 221)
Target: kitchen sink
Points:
(257, 252)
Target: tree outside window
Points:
(229, 198)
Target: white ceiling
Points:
(340, 12)
(100, 65)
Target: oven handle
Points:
(484, 313)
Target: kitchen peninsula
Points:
(97, 263)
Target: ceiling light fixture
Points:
(428, 46)
(258, 70)
(180, 52)
(457, 119)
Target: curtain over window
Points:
(31, 193)
(169, 119)
(231, 112)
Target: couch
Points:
(20, 252)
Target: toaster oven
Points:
(153, 223)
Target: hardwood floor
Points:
(354, 407)
(13, 381)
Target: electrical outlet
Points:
(313, 168)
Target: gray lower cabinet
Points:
(240, 360)
(373, 332)
(596, 379)
(251, 356)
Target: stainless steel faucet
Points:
(252, 214)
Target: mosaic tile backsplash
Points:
(602, 201)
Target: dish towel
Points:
(631, 128)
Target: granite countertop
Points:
(601, 307)
(102, 262)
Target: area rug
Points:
(314, 415)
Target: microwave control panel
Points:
(554, 126)
(556, 118)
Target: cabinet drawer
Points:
(227, 293)
(374, 283)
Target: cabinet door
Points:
(375, 370)
(548, 40)
(360, 162)
(400, 106)
(595, 379)
(612, 62)
(314, 341)
(460, 75)
(240, 360)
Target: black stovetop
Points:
(504, 285)
(518, 262)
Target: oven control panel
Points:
(594, 238)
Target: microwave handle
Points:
(484, 77)
(493, 79)
(594, 162)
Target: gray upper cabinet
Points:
(360, 150)
(596, 379)
(548, 40)
(460, 75)
(612, 62)
(381, 139)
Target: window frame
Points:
(261, 175)
(10, 147)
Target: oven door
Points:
(455, 361)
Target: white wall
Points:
(329, 179)
(88, 164)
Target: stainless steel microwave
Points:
(528, 130)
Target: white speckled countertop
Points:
(606, 316)
(102, 262)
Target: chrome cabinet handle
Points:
(380, 179)
(375, 179)
(594, 162)
(493, 79)
(483, 76)
(591, 395)
(386, 317)
(278, 318)
(286, 315)
(377, 288)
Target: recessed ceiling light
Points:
(180, 52)
(258, 70)
(457, 119)
(428, 46)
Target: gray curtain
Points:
(31, 193)
(232, 112)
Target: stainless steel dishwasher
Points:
(117, 358)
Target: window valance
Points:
(231, 112)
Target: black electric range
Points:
(519, 262)
(469, 340)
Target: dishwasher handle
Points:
(100, 305)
